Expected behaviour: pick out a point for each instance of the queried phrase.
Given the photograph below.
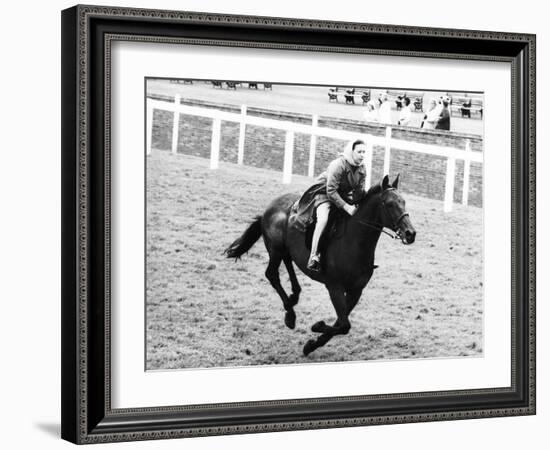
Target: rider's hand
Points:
(350, 209)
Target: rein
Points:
(378, 227)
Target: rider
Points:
(344, 187)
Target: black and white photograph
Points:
(295, 224)
(275, 225)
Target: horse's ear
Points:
(395, 182)
(385, 183)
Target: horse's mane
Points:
(373, 190)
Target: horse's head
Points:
(393, 214)
(389, 209)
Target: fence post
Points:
(387, 152)
(466, 179)
(149, 119)
(176, 125)
(368, 164)
(289, 150)
(215, 146)
(242, 133)
(312, 147)
(449, 184)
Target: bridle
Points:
(395, 223)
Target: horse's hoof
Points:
(290, 319)
(309, 347)
(319, 326)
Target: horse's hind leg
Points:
(272, 274)
(296, 289)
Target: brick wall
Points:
(422, 175)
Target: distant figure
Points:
(350, 96)
(431, 116)
(384, 112)
(466, 109)
(371, 114)
(399, 102)
(405, 115)
(444, 119)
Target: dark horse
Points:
(347, 259)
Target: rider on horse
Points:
(342, 185)
(349, 258)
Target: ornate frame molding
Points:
(87, 422)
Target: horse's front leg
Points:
(341, 326)
(352, 298)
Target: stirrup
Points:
(314, 263)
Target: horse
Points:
(347, 263)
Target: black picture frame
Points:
(87, 416)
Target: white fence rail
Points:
(291, 128)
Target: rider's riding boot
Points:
(314, 263)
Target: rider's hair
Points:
(356, 143)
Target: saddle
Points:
(303, 210)
(303, 219)
(336, 225)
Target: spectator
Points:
(371, 114)
(384, 112)
(465, 110)
(444, 119)
(431, 116)
(405, 114)
(399, 102)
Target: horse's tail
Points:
(246, 241)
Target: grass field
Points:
(203, 310)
